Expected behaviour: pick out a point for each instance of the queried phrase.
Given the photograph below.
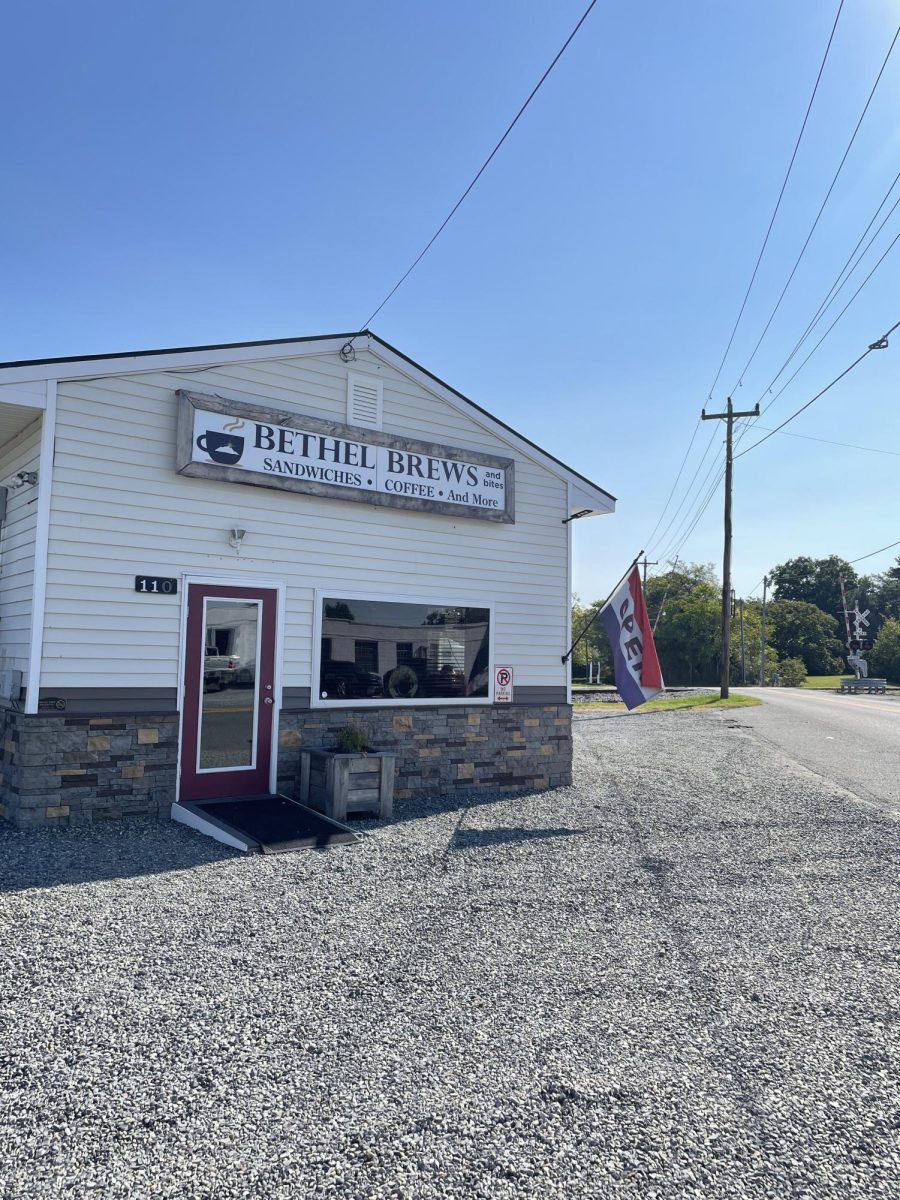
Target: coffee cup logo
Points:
(223, 448)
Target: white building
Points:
(362, 540)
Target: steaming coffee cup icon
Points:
(223, 448)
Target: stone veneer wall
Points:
(490, 748)
(61, 769)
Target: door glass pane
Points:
(228, 708)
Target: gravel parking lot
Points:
(678, 978)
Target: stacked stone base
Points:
(62, 770)
(444, 750)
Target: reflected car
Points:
(219, 670)
(346, 680)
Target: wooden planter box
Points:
(338, 784)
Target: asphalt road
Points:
(853, 741)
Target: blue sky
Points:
(202, 172)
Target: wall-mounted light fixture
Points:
(236, 538)
(23, 479)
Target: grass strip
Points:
(711, 701)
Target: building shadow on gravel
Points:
(129, 848)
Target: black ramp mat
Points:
(276, 822)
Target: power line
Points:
(674, 485)
(680, 539)
(687, 494)
(828, 442)
(881, 344)
(819, 213)
(787, 384)
(890, 546)
(839, 283)
(534, 91)
(778, 201)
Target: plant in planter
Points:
(351, 778)
(353, 740)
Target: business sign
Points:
(503, 685)
(244, 443)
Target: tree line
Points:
(805, 628)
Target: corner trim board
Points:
(41, 549)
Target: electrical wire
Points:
(662, 603)
(839, 283)
(687, 494)
(778, 201)
(818, 214)
(828, 442)
(648, 540)
(881, 344)
(681, 538)
(745, 299)
(890, 546)
(434, 237)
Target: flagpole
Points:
(624, 575)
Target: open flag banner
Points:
(624, 617)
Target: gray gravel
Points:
(678, 978)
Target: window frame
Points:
(339, 592)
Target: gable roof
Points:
(126, 362)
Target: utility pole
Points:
(762, 638)
(743, 665)
(645, 565)
(729, 417)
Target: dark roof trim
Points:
(80, 358)
(129, 354)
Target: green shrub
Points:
(791, 672)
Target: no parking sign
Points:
(503, 685)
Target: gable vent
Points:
(364, 399)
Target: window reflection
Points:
(398, 651)
(227, 719)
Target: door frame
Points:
(237, 581)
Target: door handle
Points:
(269, 700)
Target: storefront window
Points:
(393, 650)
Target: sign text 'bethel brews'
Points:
(296, 455)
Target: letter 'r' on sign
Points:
(503, 685)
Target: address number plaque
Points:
(155, 585)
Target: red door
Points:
(229, 691)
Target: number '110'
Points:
(164, 586)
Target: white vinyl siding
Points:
(17, 548)
(119, 509)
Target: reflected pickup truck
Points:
(219, 670)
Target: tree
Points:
(688, 605)
(883, 597)
(884, 659)
(752, 633)
(594, 646)
(816, 581)
(801, 630)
